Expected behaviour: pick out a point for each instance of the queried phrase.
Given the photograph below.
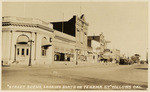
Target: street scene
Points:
(74, 46)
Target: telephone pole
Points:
(63, 23)
(30, 41)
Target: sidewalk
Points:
(64, 65)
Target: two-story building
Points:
(64, 48)
(76, 30)
(98, 45)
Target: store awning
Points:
(45, 43)
(90, 52)
(104, 57)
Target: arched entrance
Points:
(22, 48)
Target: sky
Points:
(125, 24)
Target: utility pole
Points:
(77, 52)
(63, 23)
(147, 56)
(30, 41)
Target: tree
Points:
(135, 58)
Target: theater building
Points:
(26, 41)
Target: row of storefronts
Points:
(31, 41)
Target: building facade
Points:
(116, 55)
(99, 45)
(94, 53)
(33, 41)
(26, 41)
(76, 27)
(30, 41)
(64, 47)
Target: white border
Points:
(78, 1)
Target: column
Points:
(6, 47)
(12, 48)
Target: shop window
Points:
(27, 52)
(50, 39)
(68, 58)
(18, 51)
(43, 51)
(62, 57)
(45, 44)
(56, 57)
(22, 51)
(93, 57)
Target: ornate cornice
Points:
(27, 25)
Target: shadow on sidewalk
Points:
(142, 68)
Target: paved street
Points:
(91, 76)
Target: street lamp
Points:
(30, 41)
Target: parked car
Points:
(141, 62)
(125, 62)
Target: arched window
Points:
(45, 44)
(50, 39)
(22, 39)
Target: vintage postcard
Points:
(81, 45)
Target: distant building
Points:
(116, 55)
(94, 53)
(98, 44)
(32, 41)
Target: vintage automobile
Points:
(125, 62)
(142, 62)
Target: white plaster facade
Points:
(29, 29)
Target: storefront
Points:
(64, 47)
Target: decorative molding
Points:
(27, 25)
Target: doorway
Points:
(22, 50)
(22, 53)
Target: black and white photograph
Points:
(81, 45)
